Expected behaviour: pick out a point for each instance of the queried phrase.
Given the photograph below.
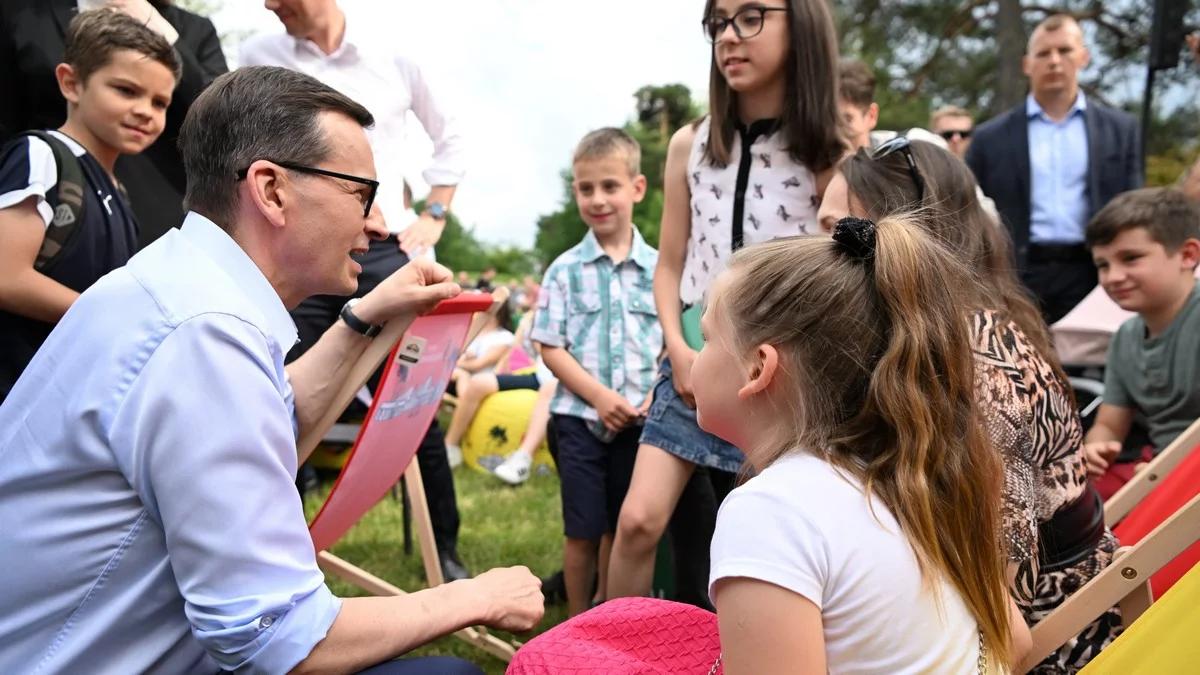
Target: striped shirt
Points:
(604, 316)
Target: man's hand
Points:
(423, 234)
(614, 410)
(513, 597)
(1099, 455)
(411, 290)
(145, 14)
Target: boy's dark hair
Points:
(253, 113)
(610, 142)
(856, 83)
(93, 36)
(1166, 213)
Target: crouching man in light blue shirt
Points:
(148, 517)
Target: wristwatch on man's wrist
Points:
(356, 324)
(436, 210)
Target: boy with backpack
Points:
(64, 220)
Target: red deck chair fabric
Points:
(404, 404)
(1176, 489)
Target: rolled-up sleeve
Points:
(449, 155)
(550, 319)
(211, 451)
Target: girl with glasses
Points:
(752, 170)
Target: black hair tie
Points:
(856, 236)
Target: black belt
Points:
(1044, 253)
(1072, 533)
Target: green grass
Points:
(501, 526)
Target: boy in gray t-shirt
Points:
(1146, 245)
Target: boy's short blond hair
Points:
(610, 142)
(94, 35)
(947, 111)
(1167, 214)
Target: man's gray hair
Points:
(254, 113)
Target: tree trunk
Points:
(1010, 47)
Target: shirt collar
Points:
(1034, 109)
(640, 252)
(348, 47)
(225, 253)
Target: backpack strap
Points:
(66, 200)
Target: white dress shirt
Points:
(389, 85)
(149, 520)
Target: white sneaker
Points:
(454, 455)
(515, 469)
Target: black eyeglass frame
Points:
(714, 26)
(902, 145)
(369, 182)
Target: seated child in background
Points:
(843, 368)
(1146, 245)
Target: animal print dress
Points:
(1033, 421)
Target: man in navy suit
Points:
(1052, 162)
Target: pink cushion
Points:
(627, 635)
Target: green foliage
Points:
(660, 111)
(460, 249)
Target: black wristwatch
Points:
(356, 324)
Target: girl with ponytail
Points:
(868, 540)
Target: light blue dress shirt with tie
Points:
(1058, 166)
(148, 516)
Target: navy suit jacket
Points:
(999, 157)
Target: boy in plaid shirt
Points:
(599, 331)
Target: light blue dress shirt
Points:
(1058, 166)
(148, 516)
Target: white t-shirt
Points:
(803, 525)
(498, 337)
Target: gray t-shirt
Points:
(1158, 377)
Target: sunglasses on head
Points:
(902, 145)
(949, 134)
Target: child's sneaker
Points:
(515, 469)
(454, 455)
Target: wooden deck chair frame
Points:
(1126, 582)
(362, 369)
(1150, 476)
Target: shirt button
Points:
(266, 622)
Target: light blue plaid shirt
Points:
(604, 316)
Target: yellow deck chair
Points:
(1166, 639)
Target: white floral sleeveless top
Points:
(763, 187)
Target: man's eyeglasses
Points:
(369, 182)
(949, 134)
(747, 23)
(902, 145)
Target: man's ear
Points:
(269, 191)
(69, 83)
(761, 371)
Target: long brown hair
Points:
(951, 211)
(878, 375)
(809, 122)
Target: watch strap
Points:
(356, 324)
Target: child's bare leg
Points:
(579, 571)
(470, 396)
(539, 419)
(606, 544)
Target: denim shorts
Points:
(671, 426)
